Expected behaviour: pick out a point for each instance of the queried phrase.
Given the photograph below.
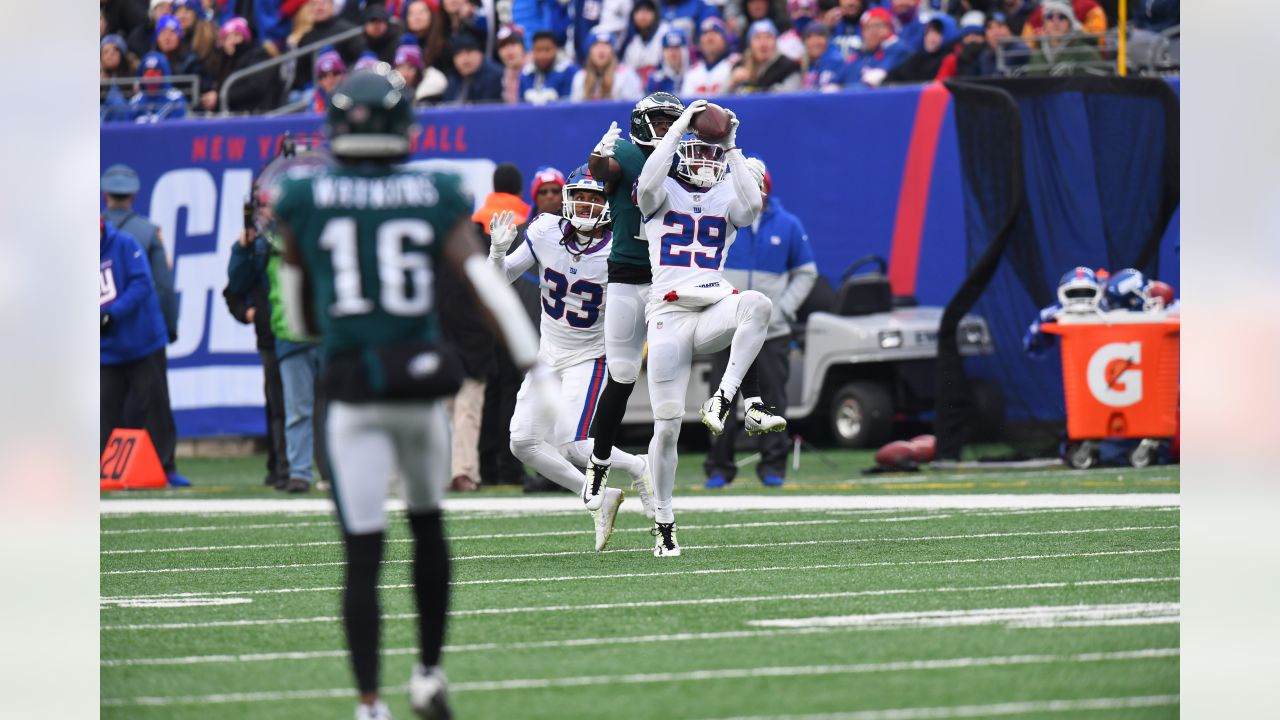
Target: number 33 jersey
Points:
(689, 237)
(573, 288)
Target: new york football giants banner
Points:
(873, 172)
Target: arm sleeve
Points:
(241, 273)
(745, 207)
(162, 276)
(513, 266)
(137, 285)
(650, 193)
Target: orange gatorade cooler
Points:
(1120, 373)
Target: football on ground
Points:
(711, 124)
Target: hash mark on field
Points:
(693, 676)
(704, 571)
(653, 603)
(534, 645)
(1037, 616)
(994, 709)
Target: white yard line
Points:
(1035, 616)
(692, 676)
(732, 546)
(982, 711)
(705, 571)
(1130, 612)
(683, 503)
(651, 603)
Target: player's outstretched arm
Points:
(649, 191)
(497, 300)
(601, 163)
(502, 233)
(748, 201)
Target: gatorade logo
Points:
(1113, 375)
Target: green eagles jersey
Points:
(629, 246)
(370, 240)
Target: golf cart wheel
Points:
(1082, 456)
(861, 415)
(1142, 455)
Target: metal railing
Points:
(1147, 53)
(191, 83)
(286, 62)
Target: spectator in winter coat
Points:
(690, 16)
(1086, 15)
(236, 51)
(157, 100)
(602, 77)
(141, 37)
(772, 256)
(475, 78)
(460, 19)
(326, 24)
(763, 68)
(198, 35)
(710, 75)
(913, 22)
(1057, 53)
(114, 63)
(924, 65)
(548, 77)
(134, 391)
(977, 55)
(1017, 12)
(330, 71)
(379, 36)
(642, 48)
(822, 63)
(182, 61)
(119, 187)
(675, 63)
(803, 13)
(749, 12)
(424, 25)
(880, 53)
(511, 54)
(845, 21)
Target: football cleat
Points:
(376, 711)
(643, 485)
(666, 544)
(715, 411)
(606, 516)
(761, 419)
(593, 489)
(428, 694)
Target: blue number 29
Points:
(592, 297)
(709, 231)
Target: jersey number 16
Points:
(404, 276)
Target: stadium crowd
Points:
(543, 51)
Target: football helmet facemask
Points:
(1079, 291)
(1127, 290)
(584, 203)
(699, 162)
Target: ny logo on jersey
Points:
(573, 270)
(106, 284)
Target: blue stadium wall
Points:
(866, 173)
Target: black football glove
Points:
(105, 322)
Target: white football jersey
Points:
(573, 287)
(689, 238)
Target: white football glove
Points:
(756, 166)
(502, 232)
(681, 125)
(605, 147)
(730, 141)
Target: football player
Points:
(363, 241)
(691, 220)
(617, 163)
(571, 253)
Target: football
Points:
(924, 447)
(898, 453)
(712, 124)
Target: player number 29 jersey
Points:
(689, 237)
(573, 293)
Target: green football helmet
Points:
(370, 116)
(656, 105)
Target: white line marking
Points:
(706, 571)
(980, 711)
(697, 675)
(564, 553)
(650, 603)
(181, 600)
(1036, 616)
(685, 503)
(487, 536)
(507, 647)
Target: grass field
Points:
(867, 614)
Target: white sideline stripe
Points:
(507, 647)
(1035, 616)
(697, 675)
(706, 571)
(563, 553)
(978, 711)
(651, 603)
(685, 503)
(487, 536)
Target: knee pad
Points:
(755, 305)
(669, 411)
(524, 447)
(623, 370)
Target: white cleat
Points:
(666, 545)
(428, 693)
(606, 516)
(593, 489)
(715, 411)
(761, 419)
(376, 711)
(643, 485)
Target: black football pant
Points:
(773, 365)
(135, 395)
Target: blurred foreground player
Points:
(362, 243)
